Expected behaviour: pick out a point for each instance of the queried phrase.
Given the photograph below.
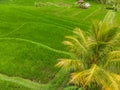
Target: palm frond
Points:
(84, 77)
(77, 43)
(104, 33)
(80, 35)
(105, 30)
(95, 74)
(109, 17)
(114, 56)
(113, 62)
(76, 46)
(116, 41)
(116, 76)
(70, 45)
(69, 64)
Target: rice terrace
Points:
(59, 44)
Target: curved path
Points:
(24, 82)
(38, 44)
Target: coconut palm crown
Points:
(96, 60)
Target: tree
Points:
(95, 61)
(108, 1)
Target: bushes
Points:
(70, 88)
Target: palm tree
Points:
(96, 60)
(108, 1)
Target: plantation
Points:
(31, 41)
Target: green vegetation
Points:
(96, 62)
(30, 40)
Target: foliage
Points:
(60, 79)
(70, 88)
(27, 60)
(45, 25)
(17, 83)
(113, 5)
(96, 62)
(108, 1)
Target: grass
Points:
(17, 83)
(30, 38)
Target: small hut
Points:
(85, 5)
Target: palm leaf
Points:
(69, 64)
(114, 56)
(77, 43)
(80, 35)
(76, 46)
(95, 74)
(109, 17)
(84, 77)
(113, 62)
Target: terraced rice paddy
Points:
(31, 40)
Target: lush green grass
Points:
(4, 85)
(24, 58)
(17, 83)
(30, 37)
(31, 2)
